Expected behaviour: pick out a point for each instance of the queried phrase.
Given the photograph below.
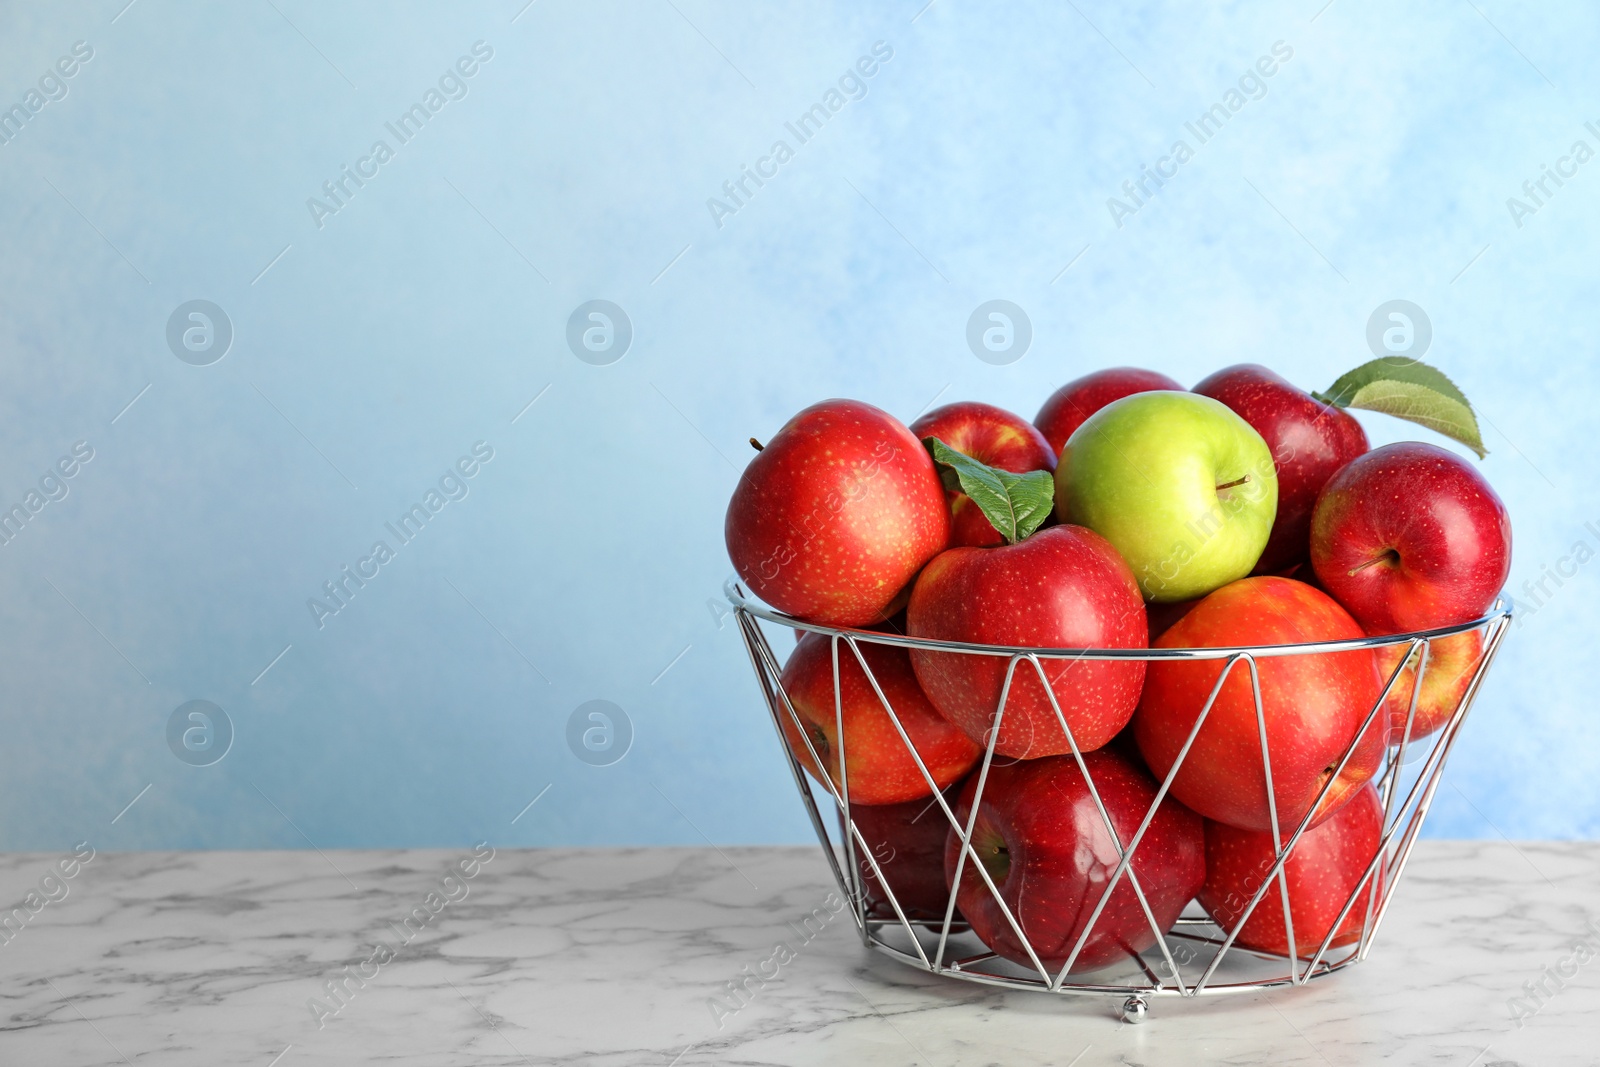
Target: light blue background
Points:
(429, 311)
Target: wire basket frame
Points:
(1196, 956)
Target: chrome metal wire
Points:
(1195, 957)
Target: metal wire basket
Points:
(1196, 956)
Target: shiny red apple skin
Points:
(989, 435)
(1064, 587)
(1451, 664)
(1439, 534)
(880, 768)
(1074, 402)
(1323, 870)
(835, 516)
(1310, 441)
(1059, 857)
(1313, 704)
(907, 842)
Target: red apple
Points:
(907, 843)
(1043, 842)
(1163, 616)
(1310, 440)
(880, 768)
(1409, 537)
(1313, 705)
(989, 435)
(1064, 587)
(837, 514)
(1074, 402)
(1451, 664)
(1323, 870)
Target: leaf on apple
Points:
(1411, 390)
(1015, 504)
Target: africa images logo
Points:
(1205, 127)
(52, 487)
(199, 332)
(452, 85)
(453, 485)
(851, 85)
(52, 86)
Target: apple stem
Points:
(1388, 555)
(1235, 482)
(755, 444)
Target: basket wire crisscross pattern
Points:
(1405, 789)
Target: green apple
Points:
(1184, 488)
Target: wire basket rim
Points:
(737, 597)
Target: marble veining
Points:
(624, 957)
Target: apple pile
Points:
(1129, 514)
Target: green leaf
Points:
(1390, 368)
(1015, 504)
(1409, 389)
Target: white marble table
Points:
(611, 957)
